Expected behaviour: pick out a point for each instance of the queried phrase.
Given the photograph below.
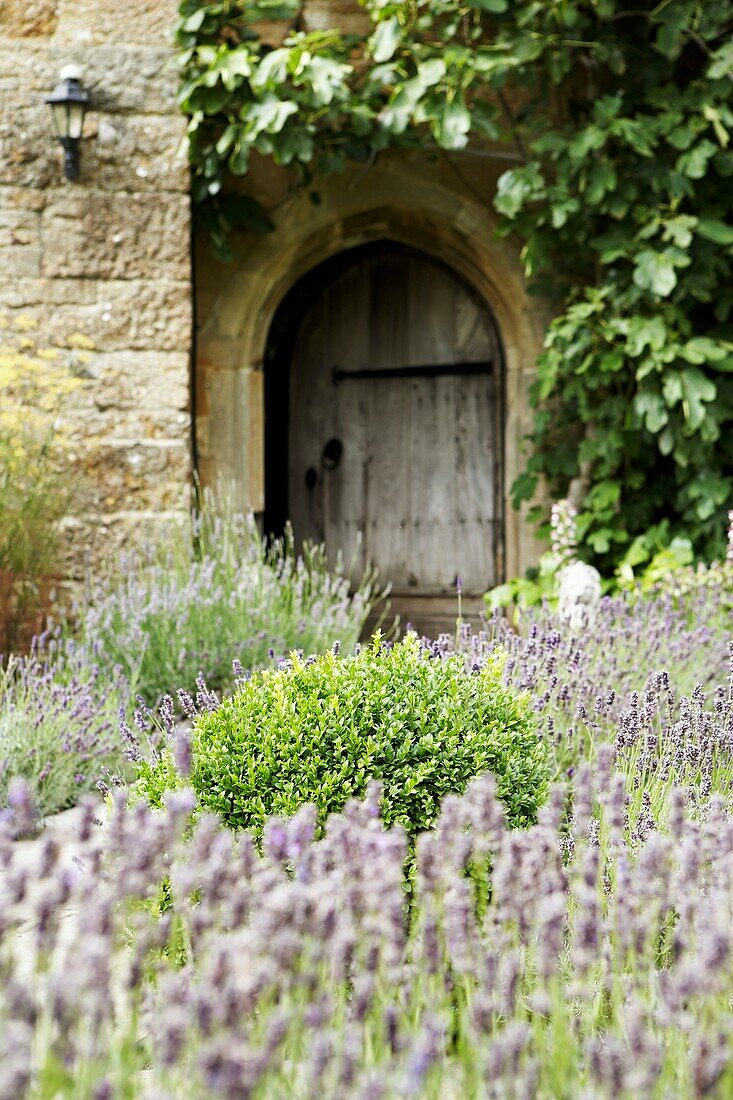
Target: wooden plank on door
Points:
(418, 469)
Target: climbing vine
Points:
(622, 191)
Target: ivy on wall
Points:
(620, 117)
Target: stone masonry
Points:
(100, 268)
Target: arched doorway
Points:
(383, 413)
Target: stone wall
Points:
(100, 268)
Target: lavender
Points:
(522, 966)
(58, 731)
(581, 683)
(198, 604)
(590, 954)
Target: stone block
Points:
(23, 294)
(144, 22)
(26, 71)
(20, 243)
(138, 79)
(148, 410)
(151, 383)
(96, 544)
(131, 474)
(136, 153)
(24, 261)
(19, 228)
(125, 78)
(100, 268)
(28, 18)
(21, 198)
(97, 316)
(105, 235)
(30, 157)
(153, 315)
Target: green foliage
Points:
(670, 572)
(625, 203)
(645, 568)
(320, 730)
(623, 198)
(538, 586)
(323, 99)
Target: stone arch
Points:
(236, 306)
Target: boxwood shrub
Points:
(319, 730)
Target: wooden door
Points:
(394, 426)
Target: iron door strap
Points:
(419, 370)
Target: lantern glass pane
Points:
(59, 117)
(75, 114)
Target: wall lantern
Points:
(68, 102)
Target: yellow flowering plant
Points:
(35, 383)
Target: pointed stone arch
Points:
(236, 305)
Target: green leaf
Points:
(588, 140)
(295, 144)
(650, 407)
(523, 488)
(431, 72)
(721, 64)
(516, 187)
(385, 39)
(713, 230)
(227, 139)
(712, 114)
(235, 66)
(501, 596)
(679, 230)
(327, 79)
(643, 332)
(239, 160)
(452, 127)
(600, 540)
(655, 271)
(269, 116)
(603, 495)
(672, 388)
(612, 361)
(268, 10)
(401, 106)
(703, 349)
(602, 177)
(697, 389)
(272, 70)
(195, 21)
(694, 163)
(665, 442)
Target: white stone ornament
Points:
(579, 594)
